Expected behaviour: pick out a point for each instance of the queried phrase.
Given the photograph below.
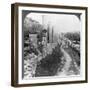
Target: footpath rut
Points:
(68, 59)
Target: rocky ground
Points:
(58, 61)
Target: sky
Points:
(60, 22)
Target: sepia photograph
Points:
(49, 44)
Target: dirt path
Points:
(66, 65)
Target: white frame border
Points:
(56, 79)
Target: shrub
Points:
(48, 66)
